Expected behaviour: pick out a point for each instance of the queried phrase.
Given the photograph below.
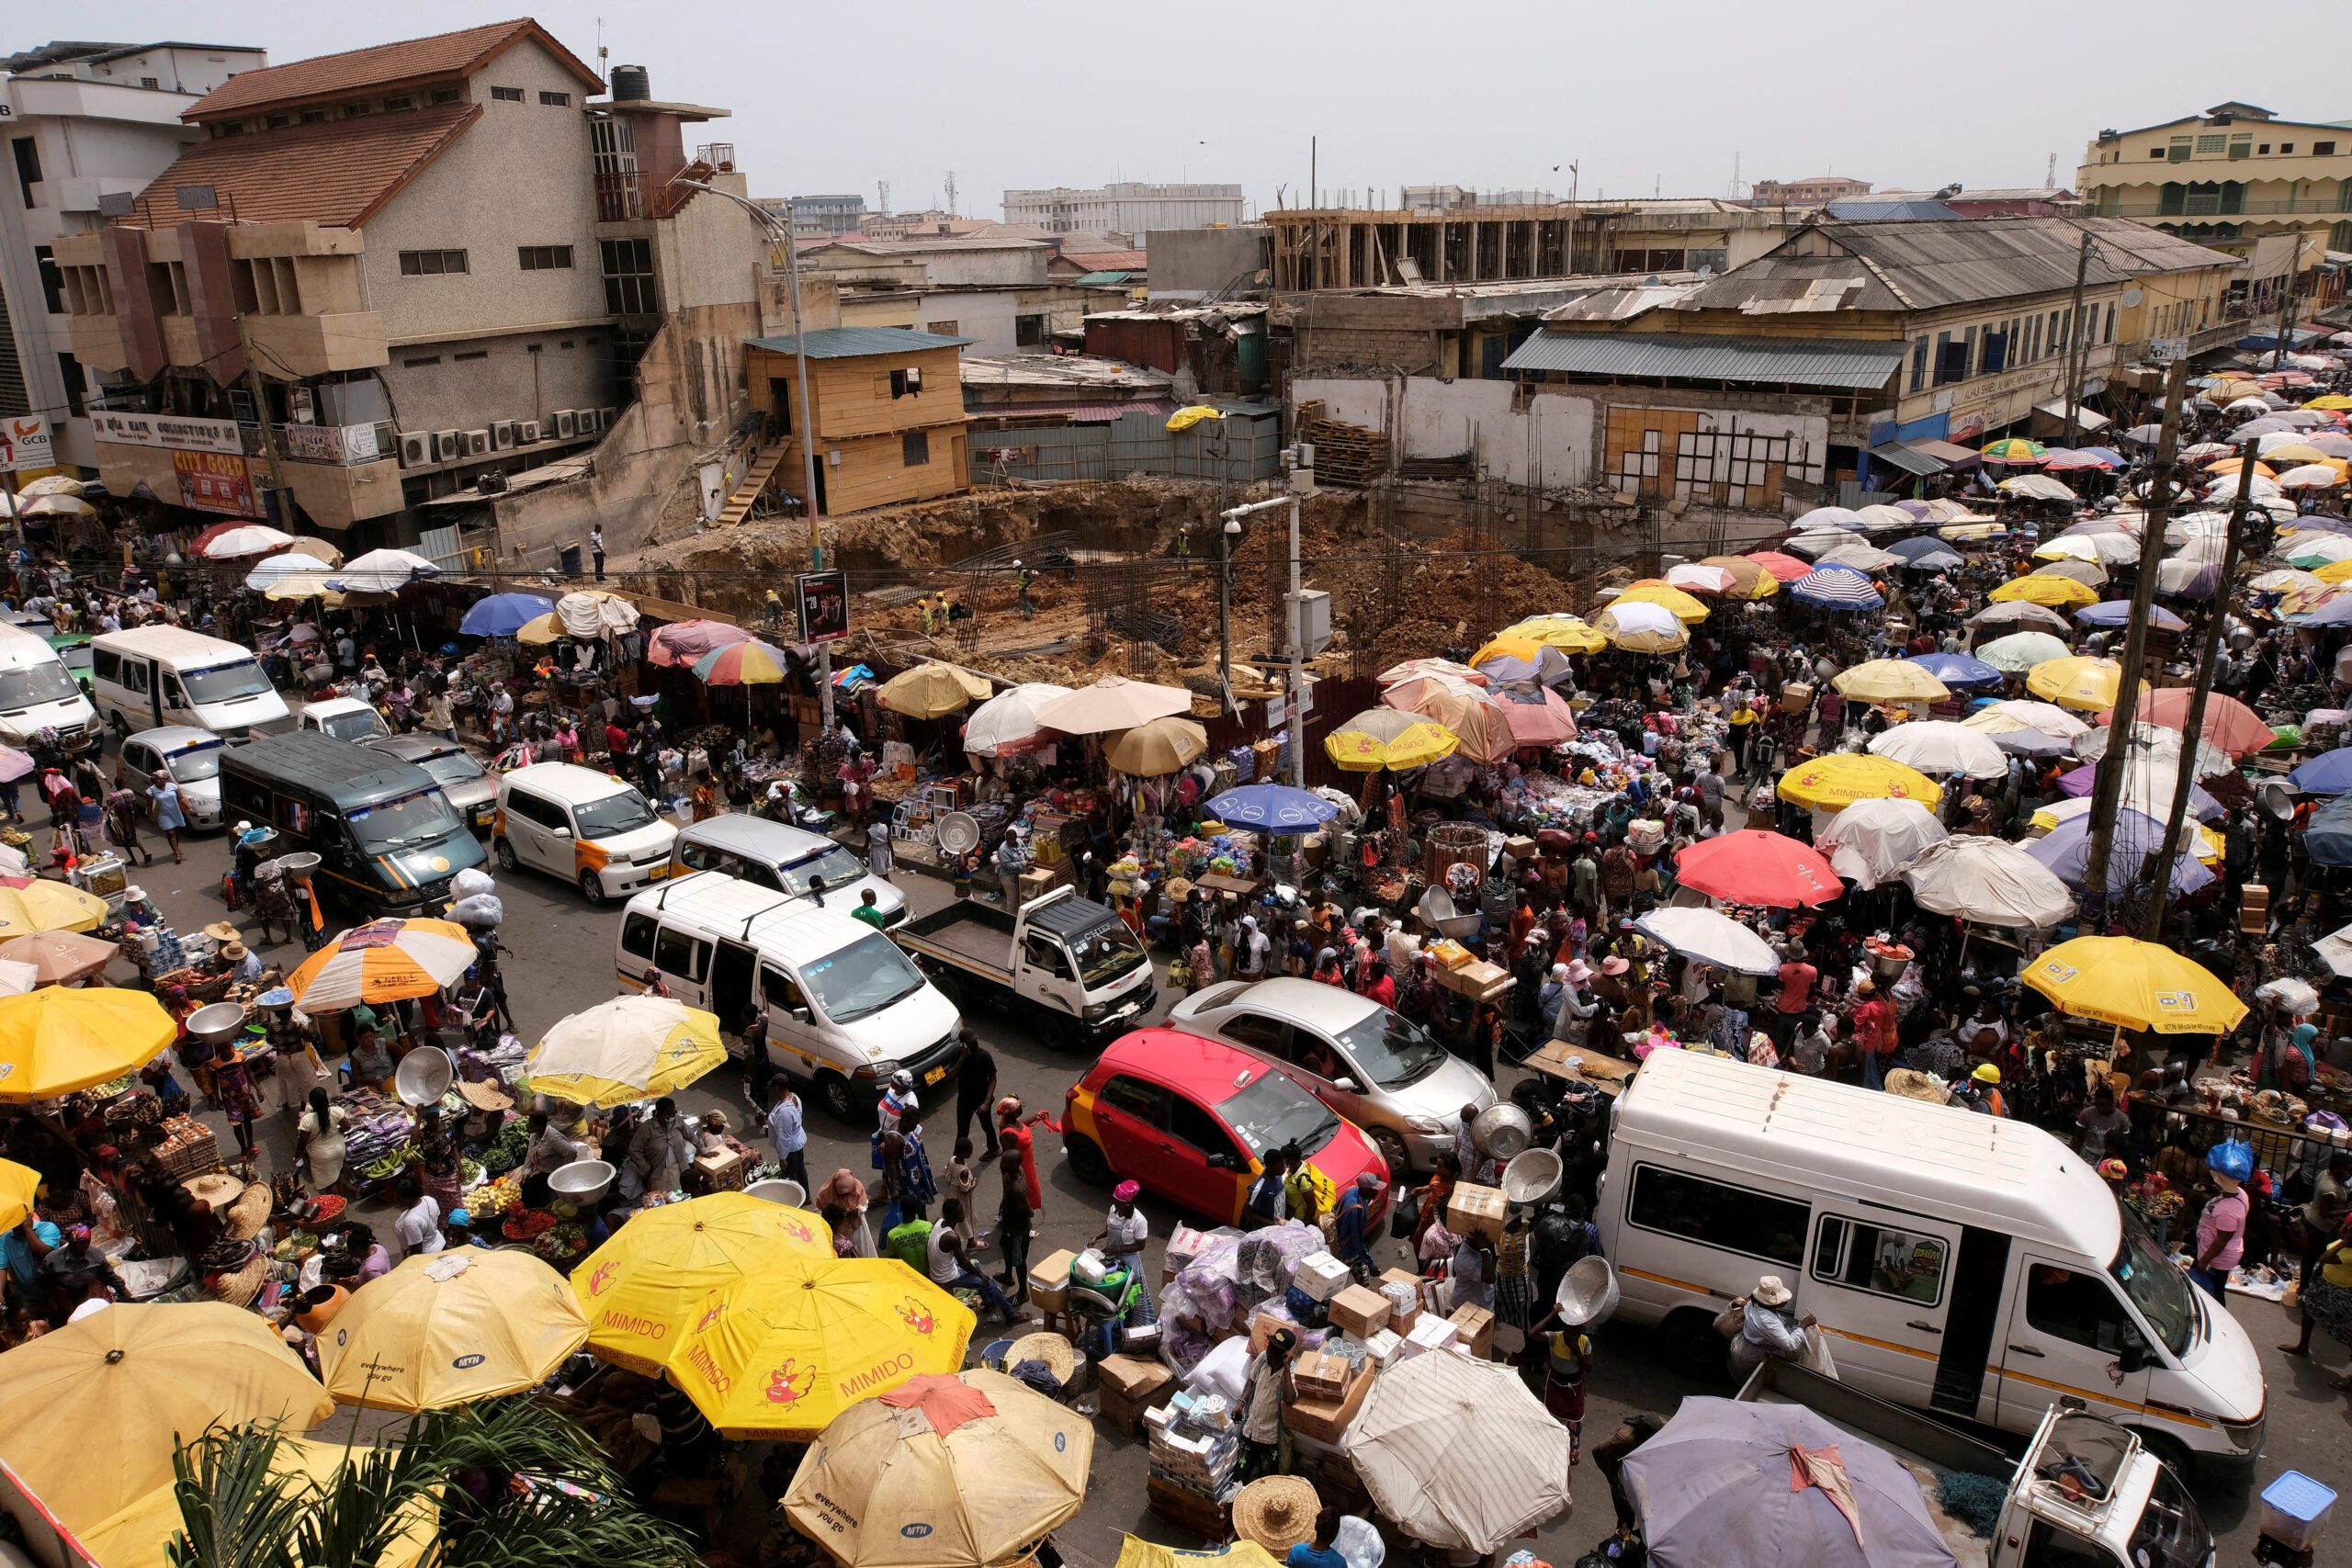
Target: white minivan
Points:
(1959, 1262)
(787, 859)
(585, 826)
(845, 1009)
(38, 692)
(149, 676)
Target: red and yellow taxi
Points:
(1191, 1120)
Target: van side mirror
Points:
(1345, 1085)
(560, 832)
(2133, 1357)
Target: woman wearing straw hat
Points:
(1277, 1512)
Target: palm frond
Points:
(237, 1510)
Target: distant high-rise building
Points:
(1127, 206)
(820, 214)
(1812, 191)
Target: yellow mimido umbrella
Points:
(1384, 737)
(1834, 781)
(2134, 985)
(1889, 680)
(140, 1535)
(19, 1184)
(2038, 588)
(89, 1414)
(2076, 682)
(932, 690)
(49, 906)
(1687, 607)
(448, 1328)
(629, 1048)
(964, 1472)
(57, 1040)
(654, 1279)
(1569, 634)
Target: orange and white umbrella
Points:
(384, 961)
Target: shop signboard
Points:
(172, 431)
(211, 482)
(25, 443)
(824, 605)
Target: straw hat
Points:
(238, 1286)
(1277, 1512)
(242, 1220)
(214, 1189)
(234, 951)
(1914, 1085)
(221, 930)
(484, 1096)
(1051, 1349)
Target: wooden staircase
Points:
(764, 468)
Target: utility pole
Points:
(2287, 305)
(1315, 201)
(2108, 789)
(2078, 341)
(1295, 625)
(268, 431)
(2193, 730)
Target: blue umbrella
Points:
(2336, 612)
(1925, 553)
(2065, 851)
(2108, 454)
(2330, 772)
(2118, 613)
(1276, 807)
(2328, 839)
(1837, 587)
(1957, 669)
(504, 614)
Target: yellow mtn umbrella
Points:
(1889, 680)
(1569, 634)
(1834, 781)
(45, 905)
(88, 1413)
(625, 1049)
(653, 1279)
(932, 690)
(1687, 607)
(2076, 682)
(2135, 985)
(1642, 628)
(2039, 588)
(54, 1041)
(450, 1327)
(962, 1472)
(1752, 581)
(1155, 749)
(140, 1535)
(783, 1354)
(2336, 572)
(1384, 737)
(19, 1186)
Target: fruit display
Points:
(492, 1198)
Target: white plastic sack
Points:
(481, 909)
(1220, 1371)
(471, 881)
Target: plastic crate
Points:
(2295, 1510)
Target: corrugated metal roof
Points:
(1876, 209)
(1104, 279)
(1903, 454)
(1072, 412)
(850, 342)
(1698, 358)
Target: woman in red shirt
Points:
(1875, 1033)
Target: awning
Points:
(2296, 338)
(1952, 456)
(2084, 418)
(1855, 366)
(1910, 459)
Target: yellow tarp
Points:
(1140, 1554)
(1186, 418)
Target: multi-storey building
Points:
(1815, 190)
(2229, 179)
(1126, 206)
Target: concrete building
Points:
(86, 123)
(998, 295)
(410, 274)
(1127, 206)
(820, 214)
(2227, 178)
(1815, 190)
(887, 407)
(1378, 247)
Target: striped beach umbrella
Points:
(1837, 587)
(384, 961)
(2013, 450)
(748, 663)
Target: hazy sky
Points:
(1487, 93)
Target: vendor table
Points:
(1219, 881)
(1580, 1063)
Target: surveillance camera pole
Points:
(1294, 695)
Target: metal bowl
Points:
(1532, 1176)
(583, 1182)
(297, 863)
(425, 1076)
(219, 1021)
(1588, 1291)
(779, 1189)
(1502, 1130)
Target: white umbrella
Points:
(2021, 652)
(1881, 517)
(1697, 579)
(2047, 717)
(267, 574)
(1817, 543)
(56, 506)
(1822, 517)
(1711, 937)
(2036, 487)
(251, 540)
(2154, 746)
(1870, 840)
(1008, 722)
(1459, 1454)
(1113, 703)
(1988, 880)
(1861, 557)
(2335, 950)
(382, 571)
(1941, 747)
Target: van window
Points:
(134, 676)
(2078, 1307)
(1714, 1214)
(677, 953)
(294, 816)
(106, 664)
(224, 682)
(531, 808)
(1882, 1260)
(637, 936)
(781, 989)
(173, 696)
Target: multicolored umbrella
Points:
(2014, 450)
(1754, 866)
(747, 663)
(1514, 657)
(1785, 569)
(625, 1049)
(683, 644)
(1838, 588)
(384, 961)
(1642, 628)
(1749, 579)
(1384, 737)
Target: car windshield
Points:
(46, 682)
(614, 815)
(224, 682)
(412, 819)
(860, 979)
(1392, 1051)
(2171, 1533)
(356, 725)
(453, 768)
(1105, 953)
(199, 761)
(2156, 1285)
(1272, 1110)
(834, 865)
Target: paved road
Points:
(564, 961)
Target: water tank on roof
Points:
(631, 84)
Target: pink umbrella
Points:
(13, 764)
(684, 644)
(1753, 867)
(1538, 718)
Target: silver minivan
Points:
(787, 859)
(1369, 1064)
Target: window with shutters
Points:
(431, 264)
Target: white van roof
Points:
(174, 644)
(797, 930)
(21, 646)
(758, 836)
(1940, 1160)
(566, 782)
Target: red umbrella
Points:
(1785, 567)
(1752, 867)
(683, 643)
(2228, 724)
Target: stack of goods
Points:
(1345, 453)
(1231, 1277)
(185, 1148)
(1196, 1442)
(378, 1132)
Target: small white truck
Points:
(1068, 967)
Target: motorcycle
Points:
(1109, 1300)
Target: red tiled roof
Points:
(383, 65)
(339, 174)
(1107, 261)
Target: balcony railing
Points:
(2217, 205)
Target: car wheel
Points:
(1087, 1161)
(503, 853)
(592, 887)
(833, 1094)
(1392, 1149)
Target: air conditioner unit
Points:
(604, 418)
(449, 446)
(501, 433)
(588, 425)
(476, 442)
(528, 433)
(567, 424)
(416, 448)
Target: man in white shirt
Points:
(945, 1262)
(788, 1129)
(419, 1226)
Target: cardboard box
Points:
(1358, 1310)
(1478, 980)
(1321, 1375)
(1431, 1333)
(720, 1172)
(1322, 1276)
(1381, 1350)
(1129, 1385)
(1049, 1282)
(1325, 1420)
(1403, 1289)
(1519, 847)
(1262, 1328)
(1477, 1211)
(1475, 1327)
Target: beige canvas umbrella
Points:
(1458, 1454)
(1157, 748)
(1477, 719)
(1113, 703)
(449, 1328)
(1989, 880)
(59, 958)
(932, 690)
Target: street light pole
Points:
(780, 233)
